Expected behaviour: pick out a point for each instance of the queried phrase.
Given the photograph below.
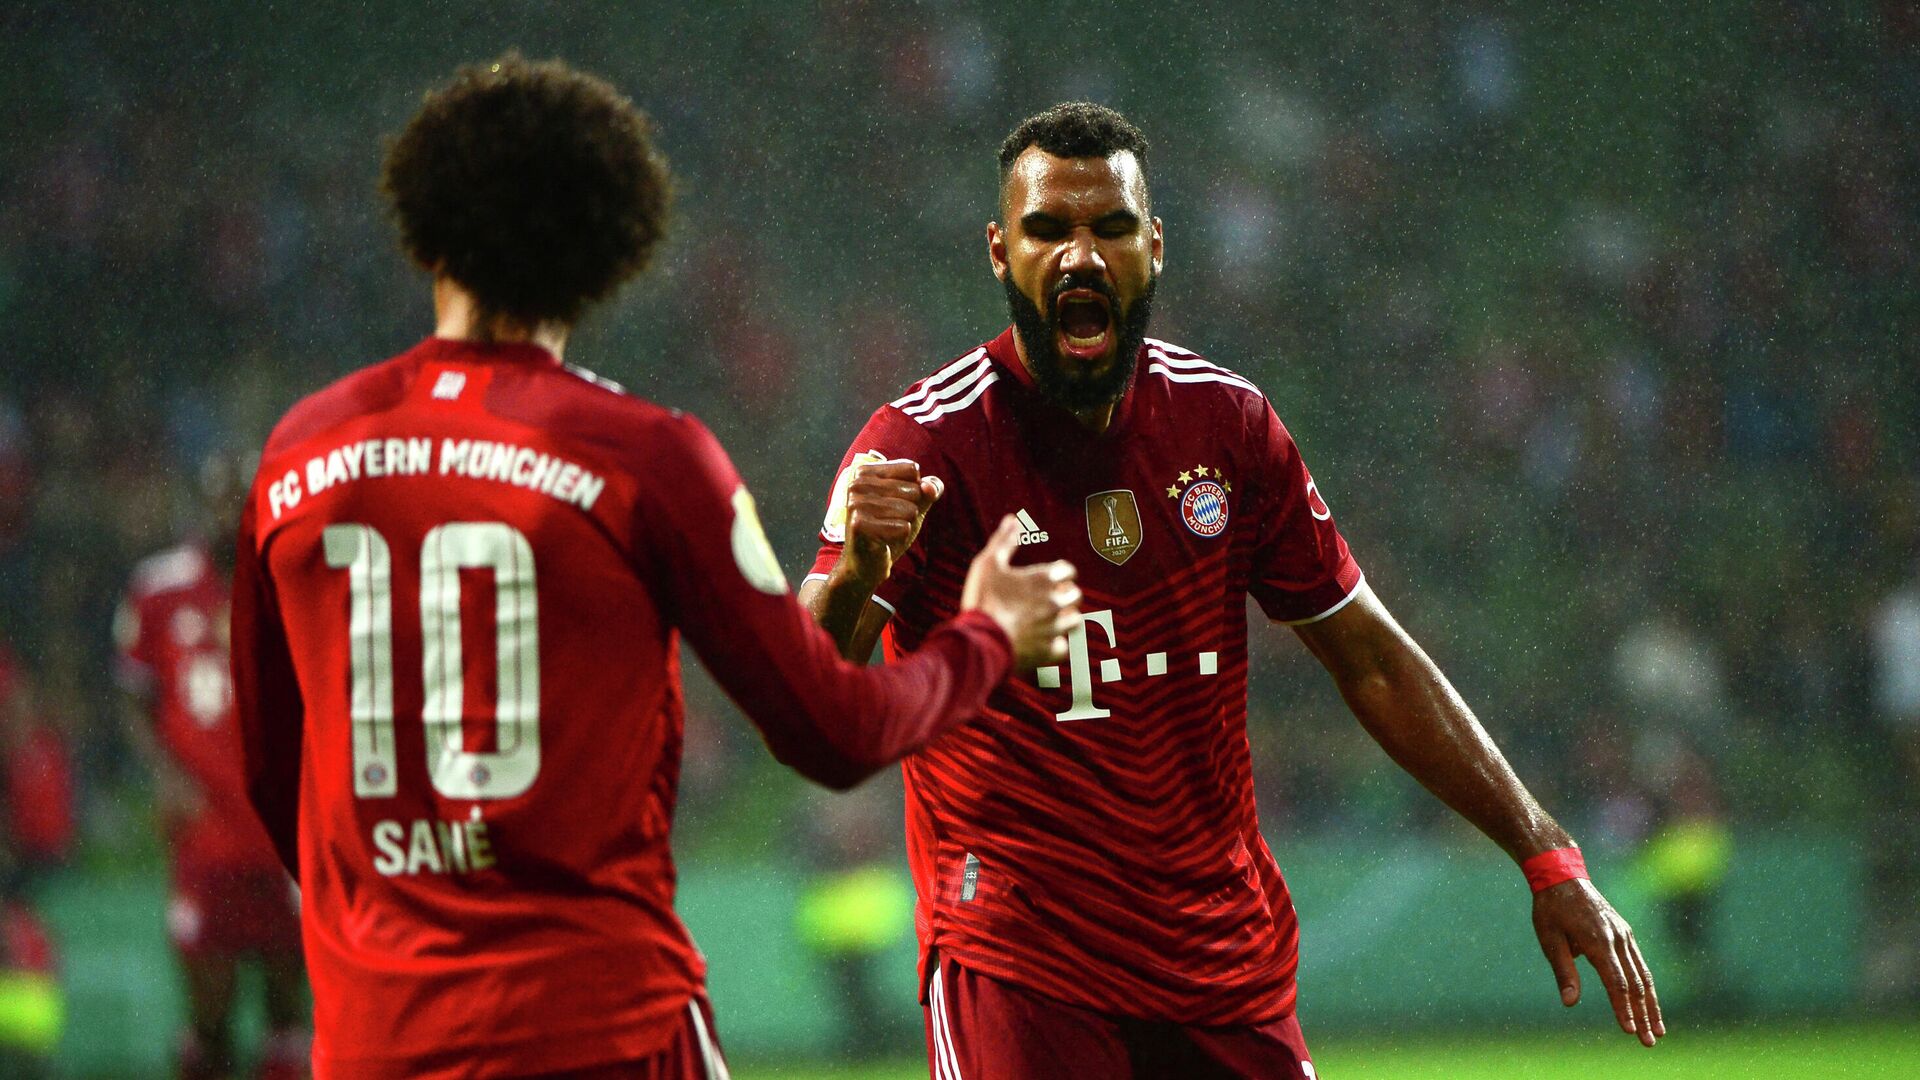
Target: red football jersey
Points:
(172, 634)
(1095, 839)
(461, 576)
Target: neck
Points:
(459, 317)
(1097, 418)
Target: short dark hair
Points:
(1074, 129)
(534, 186)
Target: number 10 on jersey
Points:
(457, 773)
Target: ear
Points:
(1159, 246)
(997, 249)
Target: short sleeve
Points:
(889, 435)
(1302, 569)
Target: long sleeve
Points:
(832, 721)
(266, 696)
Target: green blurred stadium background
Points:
(1599, 325)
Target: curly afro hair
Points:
(1074, 129)
(534, 186)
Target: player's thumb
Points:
(932, 487)
(1560, 955)
(1004, 541)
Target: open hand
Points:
(1573, 919)
(1038, 606)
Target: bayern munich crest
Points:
(1203, 500)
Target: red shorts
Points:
(694, 1054)
(980, 1028)
(229, 911)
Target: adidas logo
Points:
(1030, 532)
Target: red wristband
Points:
(1550, 868)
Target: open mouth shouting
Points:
(1081, 348)
(1084, 318)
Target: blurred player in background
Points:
(462, 576)
(230, 899)
(1095, 895)
(35, 832)
(36, 783)
(851, 913)
(32, 1005)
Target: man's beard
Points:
(1067, 385)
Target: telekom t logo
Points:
(1080, 668)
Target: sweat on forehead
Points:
(1068, 187)
(1075, 129)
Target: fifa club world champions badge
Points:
(1113, 525)
(1203, 500)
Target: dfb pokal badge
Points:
(1113, 525)
(1203, 500)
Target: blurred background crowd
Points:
(1600, 332)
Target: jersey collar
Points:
(454, 351)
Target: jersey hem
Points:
(981, 965)
(590, 1047)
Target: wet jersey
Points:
(171, 631)
(461, 578)
(1094, 837)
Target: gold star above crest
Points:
(1200, 470)
(1186, 477)
(1173, 492)
(1228, 484)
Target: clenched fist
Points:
(887, 502)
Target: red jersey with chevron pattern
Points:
(1092, 835)
(461, 582)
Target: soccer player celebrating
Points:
(462, 574)
(1095, 896)
(230, 898)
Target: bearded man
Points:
(1095, 897)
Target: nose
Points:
(1082, 255)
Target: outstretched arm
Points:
(1407, 705)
